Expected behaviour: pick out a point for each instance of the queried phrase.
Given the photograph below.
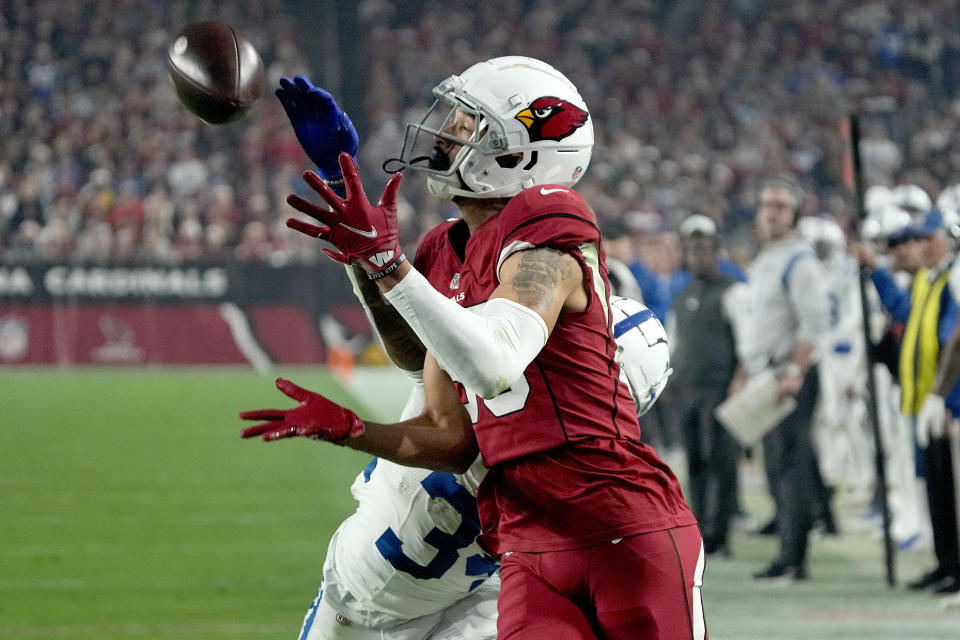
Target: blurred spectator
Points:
(618, 248)
(694, 110)
(704, 359)
(651, 270)
(255, 244)
(788, 312)
(101, 163)
(697, 110)
(930, 312)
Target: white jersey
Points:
(786, 303)
(410, 549)
(843, 344)
(840, 435)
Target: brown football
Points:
(216, 72)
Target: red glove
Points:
(315, 417)
(355, 227)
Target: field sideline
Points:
(130, 509)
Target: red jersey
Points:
(567, 468)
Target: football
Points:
(216, 72)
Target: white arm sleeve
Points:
(415, 376)
(486, 350)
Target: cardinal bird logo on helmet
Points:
(551, 118)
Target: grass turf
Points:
(130, 509)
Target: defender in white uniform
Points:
(843, 443)
(406, 565)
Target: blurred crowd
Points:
(693, 102)
(101, 163)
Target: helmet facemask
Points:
(423, 150)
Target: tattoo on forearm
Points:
(368, 288)
(537, 277)
(402, 345)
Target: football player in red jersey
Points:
(594, 536)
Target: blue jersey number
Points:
(448, 545)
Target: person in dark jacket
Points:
(704, 359)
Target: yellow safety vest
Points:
(920, 347)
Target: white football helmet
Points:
(876, 197)
(532, 127)
(810, 228)
(642, 350)
(823, 234)
(888, 223)
(912, 198)
(949, 199)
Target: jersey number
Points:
(510, 401)
(442, 486)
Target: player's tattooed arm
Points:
(402, 345)
(544, 280)
(441, 438)
(538, 275)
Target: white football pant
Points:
(473, 618)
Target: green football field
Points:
(130, 508)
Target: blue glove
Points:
(323, 129)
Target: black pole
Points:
(873, 402)
(331, 38)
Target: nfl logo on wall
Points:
(455, 282)
(14, 339)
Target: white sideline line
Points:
(236, 319)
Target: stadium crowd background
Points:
(693, 102)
